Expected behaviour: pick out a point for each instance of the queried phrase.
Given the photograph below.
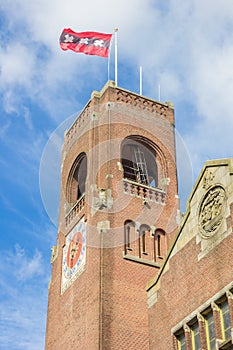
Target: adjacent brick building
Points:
(118, 230)
(191, 299)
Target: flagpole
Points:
(116, 30)
(159, 92)
(140, 75)
(109, 54)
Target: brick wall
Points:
(199, 270)
(106, 306)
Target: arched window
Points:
(139, 162)
(77, 179)
(160, 244)
(144, 239)
(129, 232)
(143, 244)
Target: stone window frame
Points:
(225, 332)
(128, 224)
(193, 334)
(200, 315)
(142, 233)
(210, 326)
(160, 242)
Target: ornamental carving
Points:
(211, 211)
(208, 179)
(54, 254)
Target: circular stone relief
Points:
(211, 211)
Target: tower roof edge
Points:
(112, 84)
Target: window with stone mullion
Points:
(195, 334)
(211, 338)
(225, 319)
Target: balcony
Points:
(75, 210)
(146, 193)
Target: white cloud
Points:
(23, 299)
(9, 102)
(24, 267)
(17, 64)
(23, 317)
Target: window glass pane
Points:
(195, 337)
(226, 319)
(210, 331)
(181, 341)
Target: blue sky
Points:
(186, 47)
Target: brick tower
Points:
(118, 211)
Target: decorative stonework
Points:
(208, 179)
(54, 254)
(211, 211)
(143, 103)
(146, 193)
(75, 210)
(102, 198)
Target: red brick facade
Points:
(130, 222)
(117, 232)
(123, 275)
(195, 284)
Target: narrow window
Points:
(129, 228)
(210, 333)
(143, 242)
(181, 341)
(128, 236)
(195, 333)
(159, 244)
(143, 237)
(225, 320)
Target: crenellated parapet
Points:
(111, 93)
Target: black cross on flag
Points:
(90, 43)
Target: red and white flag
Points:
(90, 43)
